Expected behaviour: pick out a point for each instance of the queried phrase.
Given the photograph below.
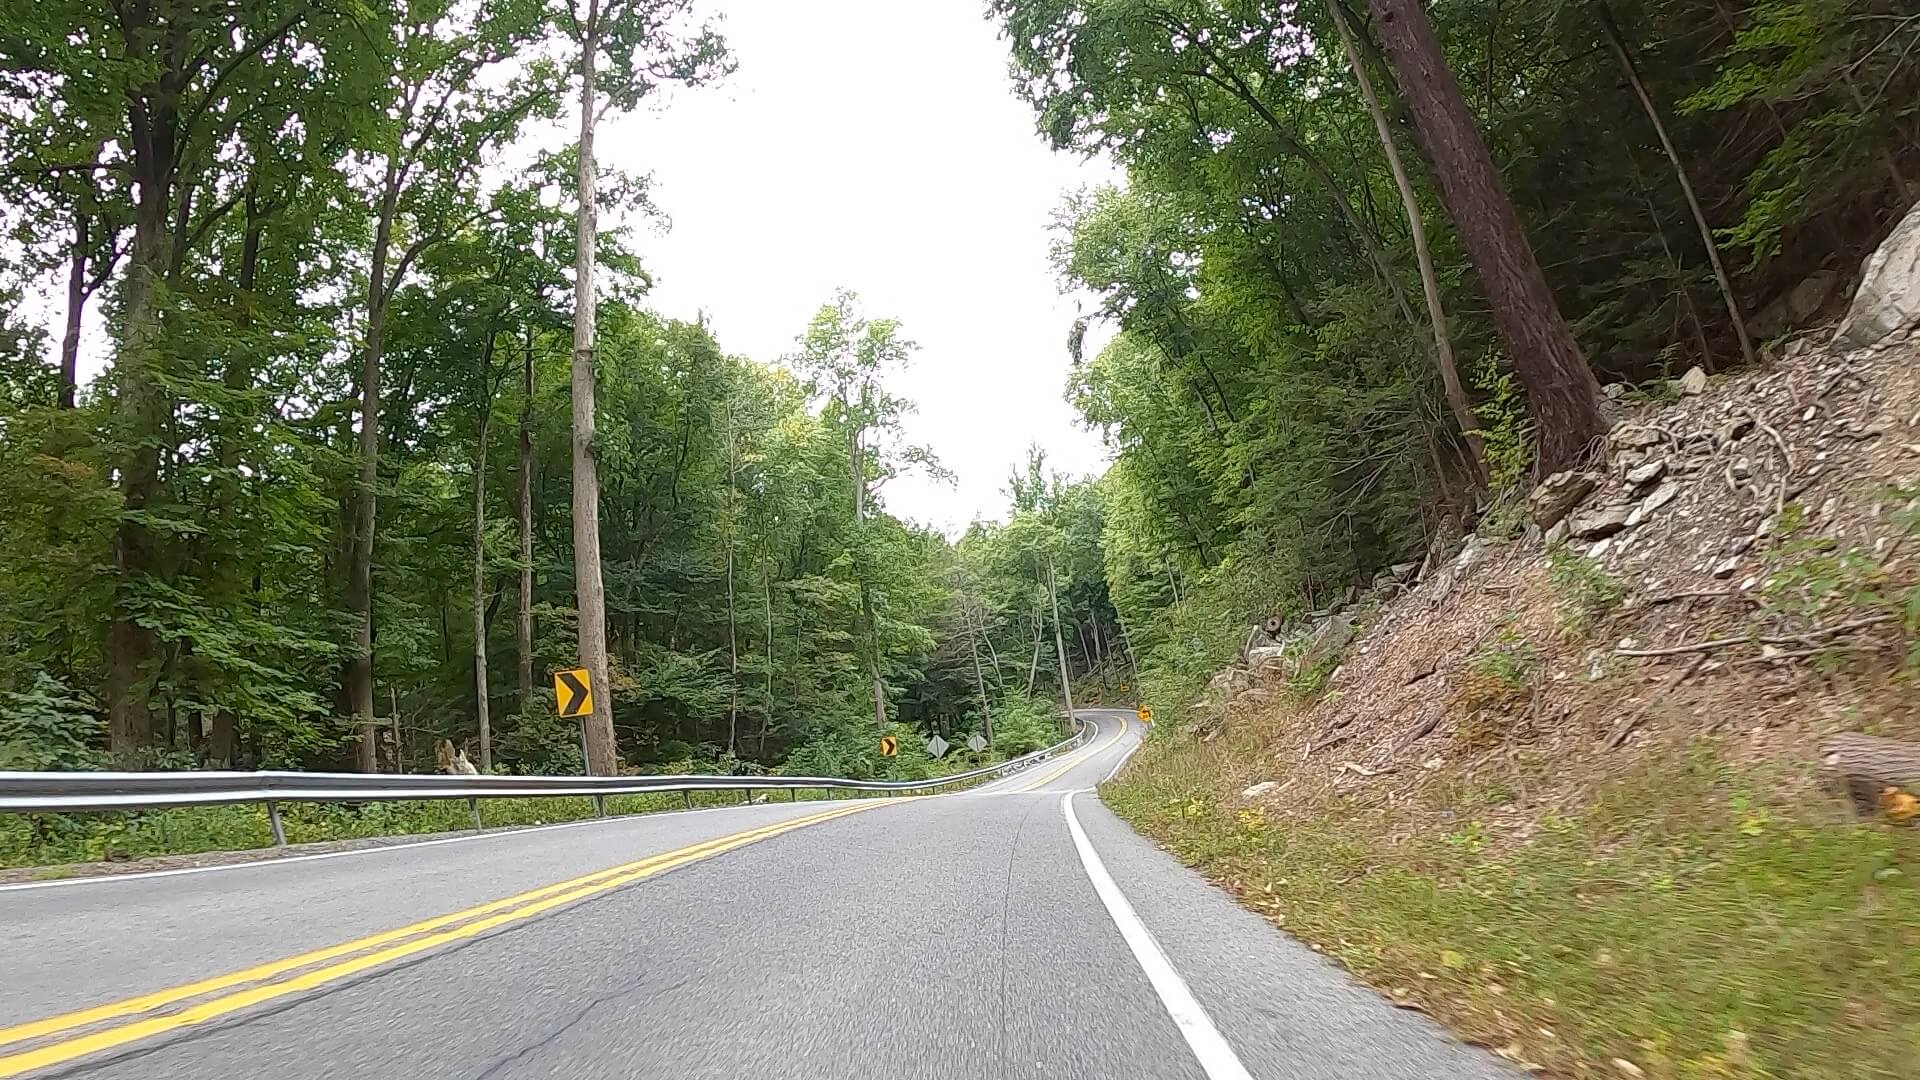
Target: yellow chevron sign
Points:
(573, 692)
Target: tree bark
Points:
(1618, 45)
(1562, 393)
(523, 621)
(360, 558)
(76, 306)
(1066, 680)
(766, 718)
(590, 589)
(1867, 765)
(979, 675)
(482, 711)
(1456, 395)
(143, 409)
(733, 636)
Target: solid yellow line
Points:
(1074, 764)
(529, 904)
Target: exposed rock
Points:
(1796, 306)
(1633, 437)
(1694, 382)
(1661, 496)
(1262, 655)
(1264, 787)
(1559, 533)
(1642, 475)
(1888, 299)
(1403, 571)
(1725, 567)
(1328, 637)
(1614, 391)
(1556, 497)
(1232, 682)
(1733, 430)
(1600, 523)
(1470, 552)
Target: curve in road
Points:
(1017, 929)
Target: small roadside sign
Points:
(976, 743)
(889, 746)
(573, 692)
(936, 746)
(1146, 715)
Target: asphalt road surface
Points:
(1015, 930)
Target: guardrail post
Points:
(273, 819)
(473, 804)
(686, 796)
(600, 806)
(793, 794)
(749, 801)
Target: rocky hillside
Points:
(1617, 785)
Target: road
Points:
(1015, 930)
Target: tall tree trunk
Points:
(482, 711)
(1066, 680)
(1456, 395)
(766, 717)
(1033, 668)
(1562, 393)
(979, 673)
(143, 409)
(1618, 45)
(591, 592)
(856, 461)
(76, 307)
(360, 559)
(733, 636)
(523, 620)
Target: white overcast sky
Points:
(877, 145)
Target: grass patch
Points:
(1683, 918)
(1586, 592)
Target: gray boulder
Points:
(1888, 299)
(1558, 494)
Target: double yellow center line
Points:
(255, 985)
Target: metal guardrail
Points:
(45, 792)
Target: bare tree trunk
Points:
(1066, 680)
(733, 638)
(1033, 668)
(76, 306)
(1456, 395)
(591, 594)
(979, 675)
(857, 463)
(523, 623)
(766, 718)
(1618, 45)
(482, 713)
(360, 558)
(1562, 393)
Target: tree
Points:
(1562, 393)
(648, 44)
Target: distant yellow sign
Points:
(573, 692)
(1146, 715)
(889, 746)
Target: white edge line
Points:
(254, 864)
(1217, 1059)
(1122, 763)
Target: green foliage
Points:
(1506, 429)
(45, 727)
(1586, 592)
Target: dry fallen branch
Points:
(1361, 770)
(1811, 637)
(1331, 740)
(1420, 730)
(1691, 594)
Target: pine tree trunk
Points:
(1562, 393)
(1618, 45)
(766, 718)
(523, 622)
(1456, 394)
(482, 712)
(591, 597)
(76, 306)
